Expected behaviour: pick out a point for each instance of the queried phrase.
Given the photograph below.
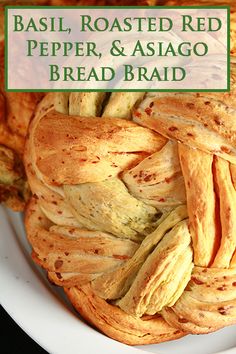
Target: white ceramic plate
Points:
(44, 313)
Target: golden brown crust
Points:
(104, 235)
(16, 111)
(142, 271)
(197, 171)
(14, 190)
(20, 107)
(158, 180)
(116, 323)
(211, 200)
(83, 263)
(227, 200)
(208, 302)
(204, 121)
(102, 148)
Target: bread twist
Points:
(137, 220)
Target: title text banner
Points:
(117, 48)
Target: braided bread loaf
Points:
(137, 219)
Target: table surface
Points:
(14, 339)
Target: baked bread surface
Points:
(136, 220)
